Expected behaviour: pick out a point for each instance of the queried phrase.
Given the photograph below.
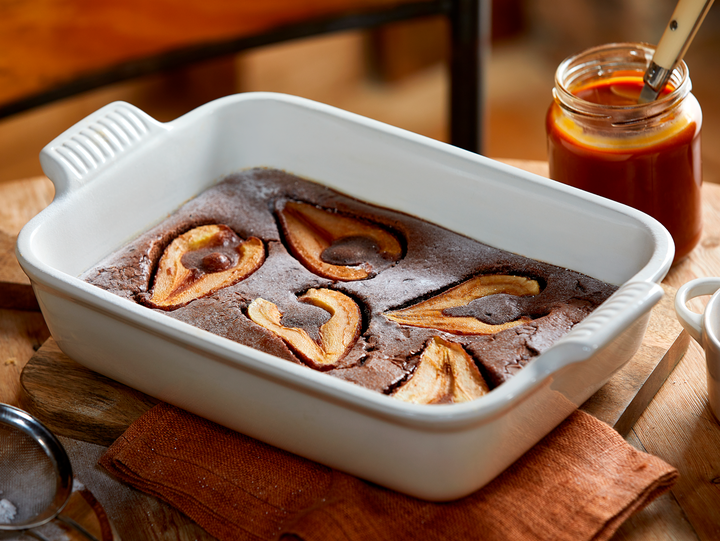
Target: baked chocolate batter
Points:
(386, 352)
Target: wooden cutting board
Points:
(79, 403)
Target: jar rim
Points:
(601, 62)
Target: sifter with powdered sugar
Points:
(36, 477)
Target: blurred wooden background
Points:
(406, 84)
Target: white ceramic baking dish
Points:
(118, 172)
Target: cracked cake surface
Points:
(324, 253)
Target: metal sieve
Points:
(35, 474)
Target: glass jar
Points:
(646, 155)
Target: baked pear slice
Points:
(337, 335)
(202, 261)
(431, 314)
(446, 374)
(334, 245)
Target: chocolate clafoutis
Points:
(366, 294)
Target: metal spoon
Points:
(679, 33)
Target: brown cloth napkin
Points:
(579, 483)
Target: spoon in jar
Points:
(679, 33)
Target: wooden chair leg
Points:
(470, 42)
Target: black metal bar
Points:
(189, 55)
(470, 42)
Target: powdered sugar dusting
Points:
(7, 511)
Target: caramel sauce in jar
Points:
(646, 156)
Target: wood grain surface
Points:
(624, 398)
(76, 402)
(21, 200)
(15, 290)
(21, 334)
(678, 425)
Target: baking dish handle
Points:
(75, 157)
(606, 323)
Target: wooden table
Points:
(677, 426)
